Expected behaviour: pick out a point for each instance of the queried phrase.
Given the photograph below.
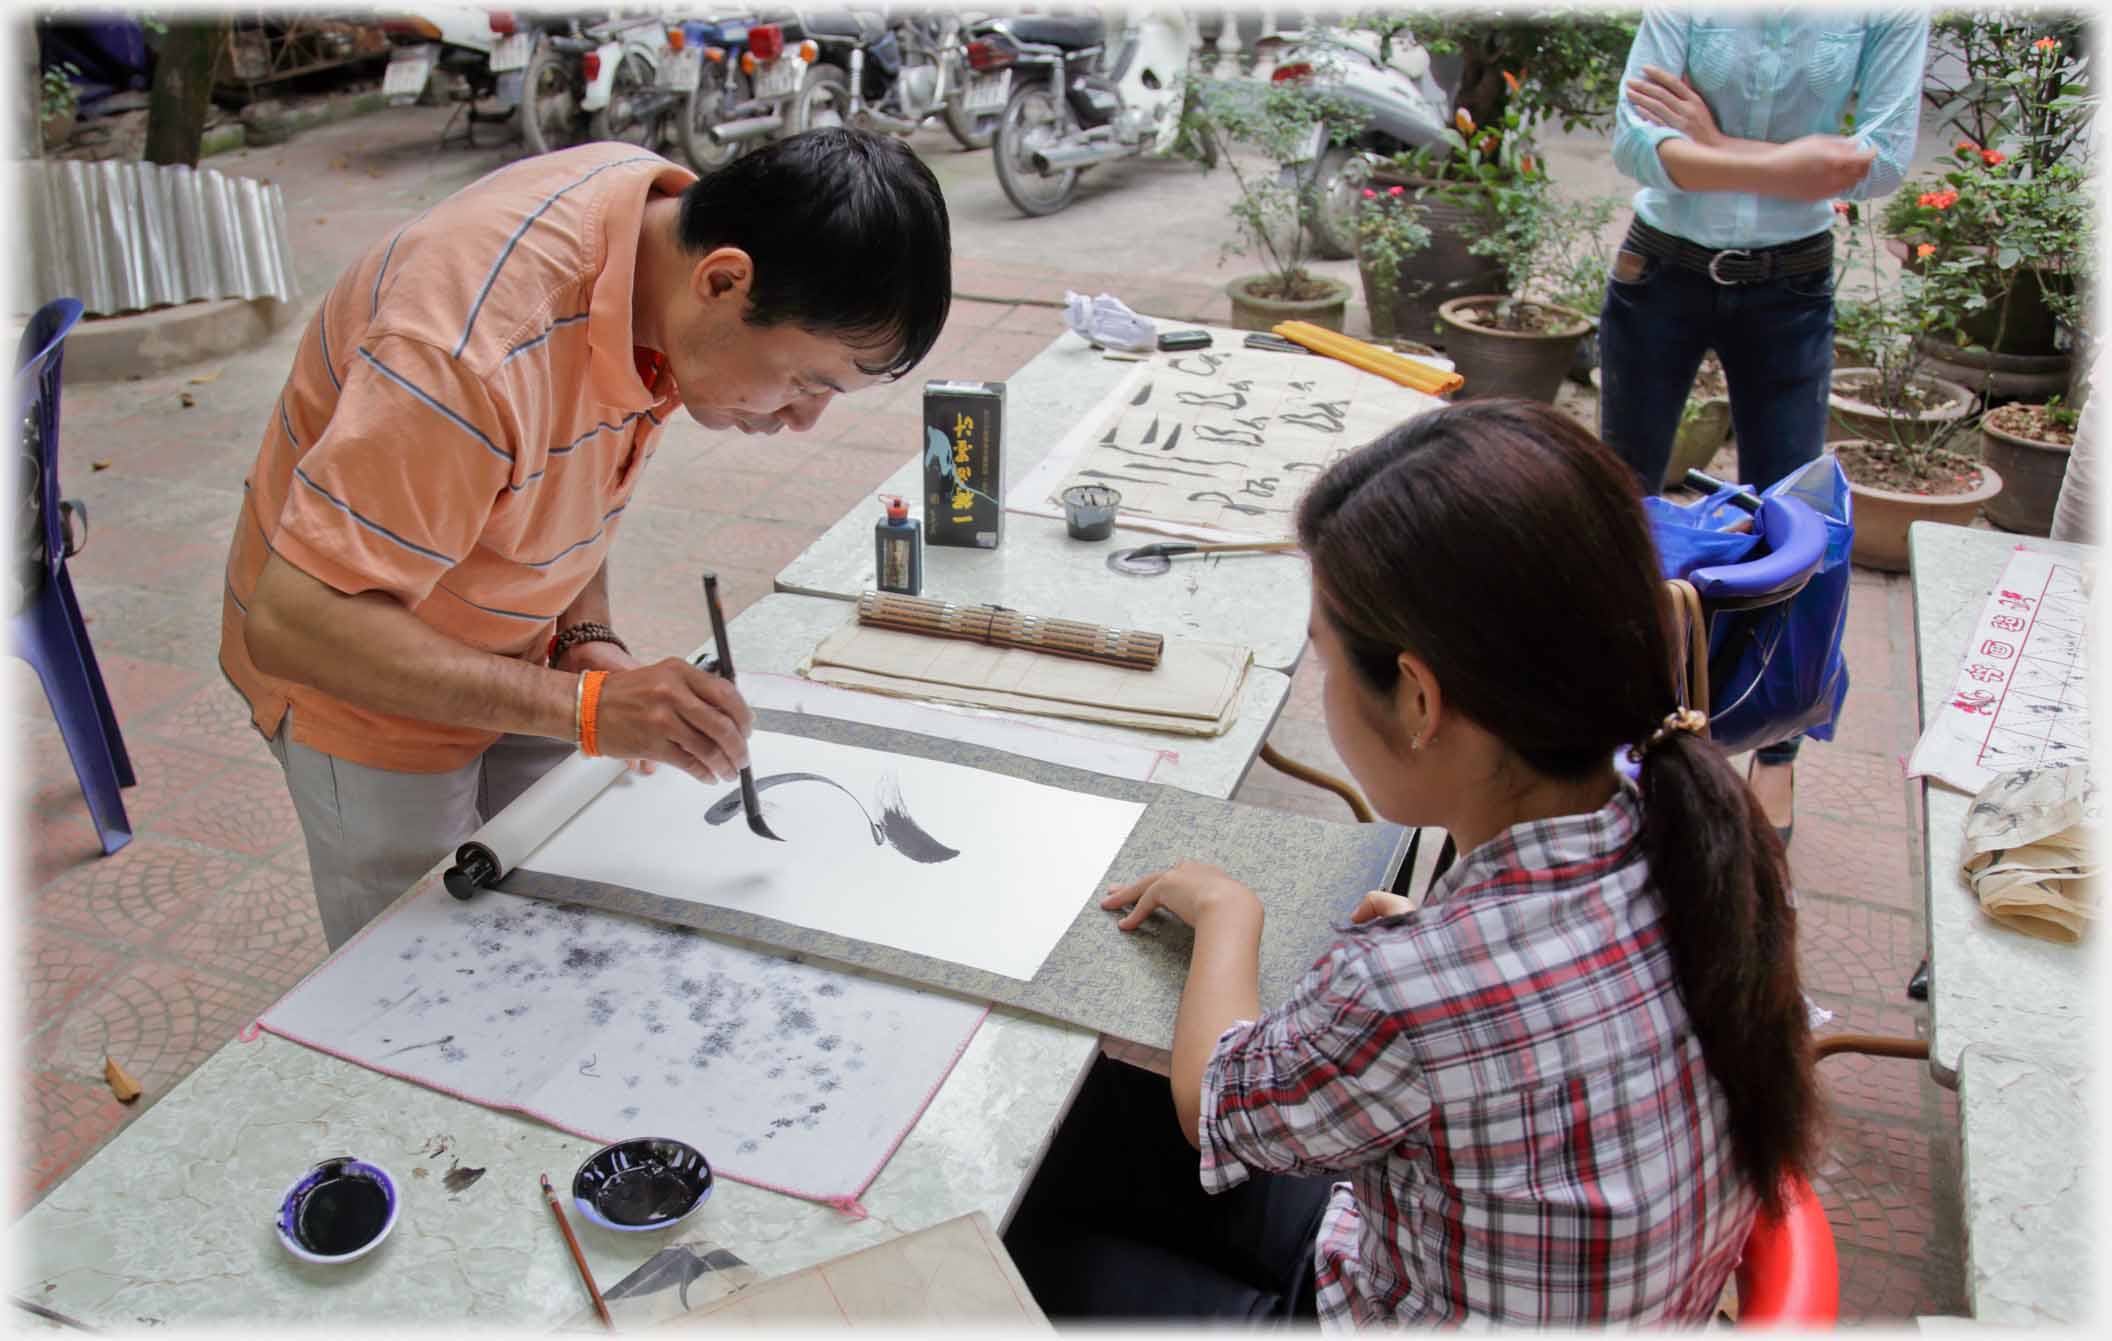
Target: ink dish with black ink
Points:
(650, 1182)
(337, 1211)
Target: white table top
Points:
(2030, 1154)
(1987, 985)
(779, 631)
(1259, 600)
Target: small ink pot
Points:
(650, 1182)
(338, 1211)
(1089, 511)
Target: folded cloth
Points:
(1106, 320)
(2027, 852)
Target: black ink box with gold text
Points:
(964, 463)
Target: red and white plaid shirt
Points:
(1508, 1078)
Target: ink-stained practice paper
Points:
(788, 1076)
(1218, 444)
(935, 858)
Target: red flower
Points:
(2047, 44)
(1464, 120)
(1968, 147)
(1525, 165)
(1842, 208)
(1992, 156)
(1938, 200)
(1511, 80)
(1395, 191)
(1370, 194)
(1925, 250)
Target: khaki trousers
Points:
(372, 832)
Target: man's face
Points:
(758, 379)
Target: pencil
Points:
(579, 1258)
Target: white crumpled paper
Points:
(2028, 855)
(1107, 321)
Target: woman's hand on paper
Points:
(1190, 891)
(673, 713)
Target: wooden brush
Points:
(1000, 627)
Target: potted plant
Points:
(1575, 59)
(1899, 433)
(2029, 445)
(1516, 342)
(2014, 196)
(1390, 233)
(1279, 120)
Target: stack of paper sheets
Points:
(1194, 690)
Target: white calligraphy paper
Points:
(938, 859)
(788, 1076)
(2022, 696)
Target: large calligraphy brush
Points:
(751, 802)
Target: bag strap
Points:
(1691, 661)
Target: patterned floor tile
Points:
(63, 1121)
(53, 845)
(164, 773)
(1890, 1089)
(246, 810)
(56, 967)
(140, 893)
(264, 925)
(1829, 856)
(215, 720)
(1885, 1290)
(1875, 1184)
(157, 1020)
(1844, 784)
(1853, 948)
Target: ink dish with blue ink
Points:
(650, 1182)
(338, 1211)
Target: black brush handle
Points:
(751, 803)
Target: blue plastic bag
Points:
(1785, 674)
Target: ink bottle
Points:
(898, 550)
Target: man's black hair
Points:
(849, 236)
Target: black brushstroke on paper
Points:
(895, 828)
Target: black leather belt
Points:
(1734, 265)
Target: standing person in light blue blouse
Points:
(1730, 119)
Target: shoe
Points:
(1782, 831)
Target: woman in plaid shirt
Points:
(1554, 1094)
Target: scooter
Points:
(898, 75)
(488, 48)
(1402, 107)
(751, 79)
(624, 96)
(1070, 109)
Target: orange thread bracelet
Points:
(589, 701)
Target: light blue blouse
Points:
(1775, 76)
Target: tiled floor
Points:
(160, 954)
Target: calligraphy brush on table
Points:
(751, 803)
(579, 1258)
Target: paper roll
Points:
(509, 836)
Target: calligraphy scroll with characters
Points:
(2022, 696)
(1219, 444)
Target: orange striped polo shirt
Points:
(462, 428)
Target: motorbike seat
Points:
(860, 27)
(1069, 34)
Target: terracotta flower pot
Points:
(1882, 517)
(1850, 419)
(2033, 471)
(1443, 270)
(1531, 364)
(1251, 312)
(2004, 377)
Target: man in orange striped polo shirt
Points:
(417, 599)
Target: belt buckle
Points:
(1717, 259)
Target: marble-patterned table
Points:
(1987, 985)
(1259, 600)
(2011, 1024)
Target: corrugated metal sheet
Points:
(123, 237)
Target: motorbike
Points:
(897, 75)
(1070, 108)
(1402, 108)
(750, 76)
(623, 78)
(487, 48)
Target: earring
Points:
(1415, 742)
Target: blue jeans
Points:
(1775, 342)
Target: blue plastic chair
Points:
(49, 632)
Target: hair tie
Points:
(1680, 719)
